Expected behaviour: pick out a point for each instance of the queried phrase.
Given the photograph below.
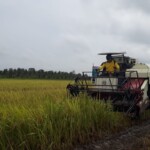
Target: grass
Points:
(37, 114)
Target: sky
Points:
(67, 35)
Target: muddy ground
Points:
(136, 137)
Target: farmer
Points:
(110, 67)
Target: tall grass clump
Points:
(42, 117)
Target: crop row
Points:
(37, 114)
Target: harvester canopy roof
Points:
(112, 53)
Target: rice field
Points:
(37, 114)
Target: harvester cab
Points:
(128, 89)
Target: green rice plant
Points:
(37, 114)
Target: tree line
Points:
(31, 73)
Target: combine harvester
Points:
(128, 90)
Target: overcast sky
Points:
(67, 35)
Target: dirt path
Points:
(127, 140)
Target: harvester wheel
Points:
(135, 114)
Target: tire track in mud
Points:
(125, 140)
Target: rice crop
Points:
(37, 114)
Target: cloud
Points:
(67, 35)
(137, 5)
